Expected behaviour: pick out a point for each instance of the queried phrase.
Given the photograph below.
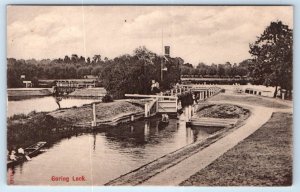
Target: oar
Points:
(28, 158)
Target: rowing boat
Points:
(30, 151)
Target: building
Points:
(27, 84)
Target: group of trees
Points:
(270, 65)
(123, 74)
(272, 57)
(134, 73)
(68, 68)
(214, 70)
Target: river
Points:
(102, 155)
(39, 104)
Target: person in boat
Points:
(21, 151)
(12, 156)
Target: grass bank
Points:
(22, 93)
(262, 159)
(249, 99)
(88, 92)
(24, 130)
(224, 111)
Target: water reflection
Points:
(107, 153)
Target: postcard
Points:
(161, 95)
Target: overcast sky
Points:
(195, 33)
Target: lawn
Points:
(262, 159)
(249, 99)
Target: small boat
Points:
(30, 151)
(164, 121)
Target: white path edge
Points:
(186, 168)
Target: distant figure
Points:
(57, 100)
(165, 117)
(55, 91)
(155, 87)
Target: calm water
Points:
(42, 104)
(105, 155)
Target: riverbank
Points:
(262, 159)
(88, 92)
(23, 130)
(22, 93)
(222, 111)
(253, 100)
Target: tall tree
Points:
(272, 54)
(74, 58)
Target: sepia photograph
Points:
(149, 95)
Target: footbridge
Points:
(158, 104)
(167, 102)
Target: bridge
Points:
(158, 104)
(168, 102)
(67, 86)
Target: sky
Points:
(209, 34)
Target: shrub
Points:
(107, 98)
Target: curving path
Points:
(186, 168)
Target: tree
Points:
(202, 68)
(96, 59)
(272, 57)
(133, 73)
(67, 59)
(88, 60)
(212, 70)
(82, 71)
(81, 60)
(221, 70)
(74, 58)
(96, 71)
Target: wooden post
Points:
(190, 112)
(94, 115)
(132, 117)
(282, 95)
(193, 110)
(146, 109)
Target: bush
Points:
(107, 98)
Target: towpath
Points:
(184, 169)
